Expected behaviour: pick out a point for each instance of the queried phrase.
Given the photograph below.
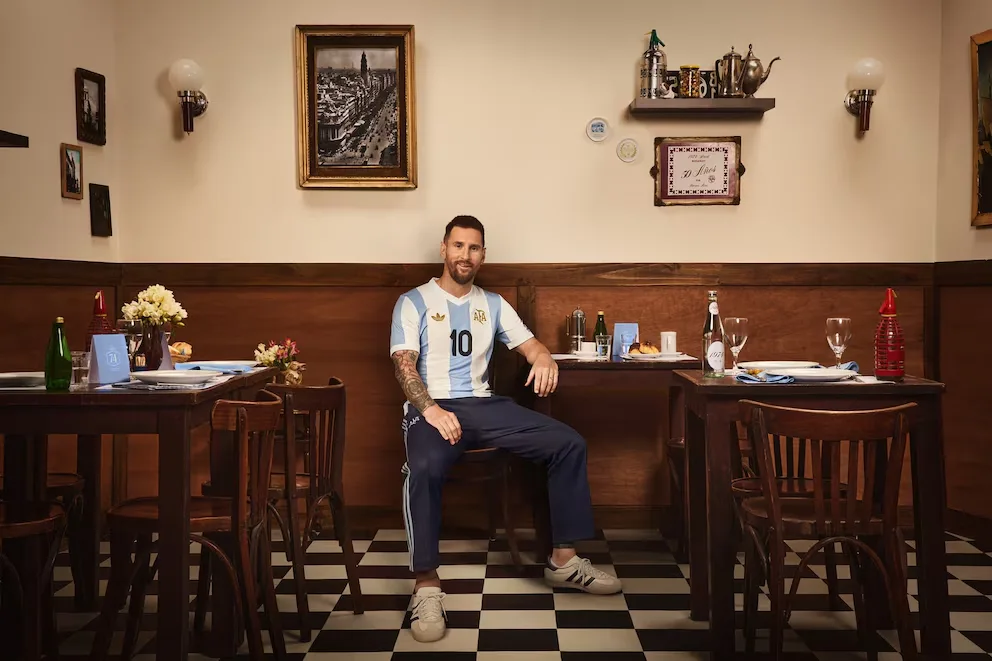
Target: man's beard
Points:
(458, 277)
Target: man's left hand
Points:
(544, 374)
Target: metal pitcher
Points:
(575, 329)
(729, 73)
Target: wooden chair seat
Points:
(59, 485)
(29, 519)
(141, 515)
(799, 519)
(277, 486)
(746, 487)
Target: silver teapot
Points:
(753, 74)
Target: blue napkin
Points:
(223, 369)
(764, 377)
(849, 365)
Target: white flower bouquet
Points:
(155, 306)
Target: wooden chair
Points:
(67, 488)
(322, 412)
(133, 522)
(23, 521)
(873, 443)
(496, 474)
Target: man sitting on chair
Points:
(441, 342)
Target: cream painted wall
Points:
(955, 238)
(41, 44)
(504, 90)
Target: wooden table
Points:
(27, 417)
(711, 411)
(651, 376)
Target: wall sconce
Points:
(186, 78)
(864, 80)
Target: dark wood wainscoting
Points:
(964, 291)
(340, 314)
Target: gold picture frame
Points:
(981, 97)
(71, 165)
(356, 106)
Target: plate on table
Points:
(586, 355)
(219, 365)
(22, 379)
(811, 374)
(175, 377)
(653, 356)
(769, 365)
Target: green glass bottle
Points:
(600, 324)
(58, 360)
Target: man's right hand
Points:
(445, 422)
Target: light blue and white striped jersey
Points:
(454, 336)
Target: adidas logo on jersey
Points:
(437, 316)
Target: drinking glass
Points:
(131, 328)
(80, 368)
(735, 333)
(626, 339)
(838, 335)
(604, 343)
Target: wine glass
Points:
(735, 333)
(838, 335)
(131, 328)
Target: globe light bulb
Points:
(867, 74)
(186, 75)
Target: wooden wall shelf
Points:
(752, 107)
(12, 140)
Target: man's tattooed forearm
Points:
(405, 364)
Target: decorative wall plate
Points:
(627, 150)
(598, 129)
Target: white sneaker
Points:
(579, 574)
(428, 619)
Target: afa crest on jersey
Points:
(479, 316)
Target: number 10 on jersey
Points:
(461, 343)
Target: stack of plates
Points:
(22, 379)
(175, 377)
(800, 370)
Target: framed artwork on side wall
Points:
(100, 210)
(91, 107)
(981, 94)
(71, 157)
(356, 103)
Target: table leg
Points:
(929, 501)
(721, 441)
(172, 639)
(25, 481)
(88, 465)
(694, 481)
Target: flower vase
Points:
(151, 346)
(289, 377)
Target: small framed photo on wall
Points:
(72, 170)
(100, 210)
(91, 107)
(981, 99)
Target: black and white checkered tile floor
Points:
(495, 614)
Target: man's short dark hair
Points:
(468, 222)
